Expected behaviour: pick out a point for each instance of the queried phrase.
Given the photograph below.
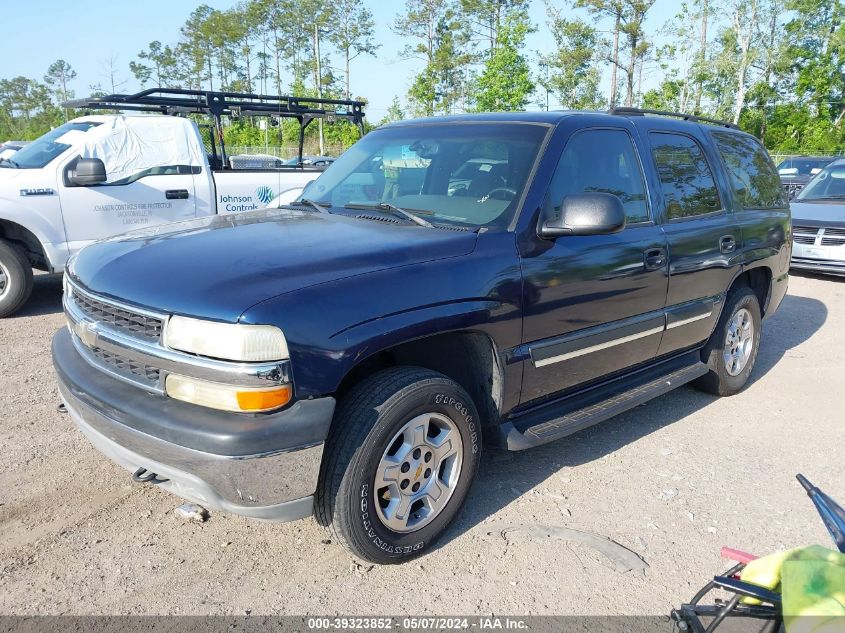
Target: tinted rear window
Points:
(754, 180)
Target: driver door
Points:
(593, 304)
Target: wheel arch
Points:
(26, 239)
(759, 279)
(469, 357)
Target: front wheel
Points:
(403, 452)
(15, 278)
(731, 352)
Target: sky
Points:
(86, 33)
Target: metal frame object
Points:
(180, 101)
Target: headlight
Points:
(228, 341)
(227, 397)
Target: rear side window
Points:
(601, 161)
(754, 180)
(685, 177)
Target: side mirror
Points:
(88, 171)
(586, 214)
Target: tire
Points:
(15, 278)
(379, 523)
(720, 379)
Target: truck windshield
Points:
(827, 185)
(47, 147)
(469, 174)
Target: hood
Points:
(821, 212)
(218, 267)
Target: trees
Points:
(441, 43)
(26, 108)
(353, 34)
(484, 18)
(628, 17)
(505, 83)
(58, 76)
(159, 67)
(575, 75)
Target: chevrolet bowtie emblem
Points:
(87, 333)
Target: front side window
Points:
(461, 173)
(755, 182)
(602, 161)
(685, 177)
(47, 147)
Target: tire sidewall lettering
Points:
(371, 534)
(453, 403)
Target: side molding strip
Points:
(595, 348)
(691, 319)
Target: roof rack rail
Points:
(626, 111)
(216, 103)
(177, 101)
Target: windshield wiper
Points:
(10, 162)
(318, 207)
(386, 206)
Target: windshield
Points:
(44, 149)
(829, 183)
(469, 174)
(802, 166)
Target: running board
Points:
(574, 414)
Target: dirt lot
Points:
(671, 481)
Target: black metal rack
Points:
(179, 101)
(626, 111)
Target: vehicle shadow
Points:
(504, 477)
(809, 274)
(46, 297)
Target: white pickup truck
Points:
(101, 175)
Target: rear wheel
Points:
(15, 278)
(731, 352)
(399, 464)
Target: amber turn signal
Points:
(264, 400)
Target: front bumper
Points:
(259, 466)
(820, 258)
(826, 266)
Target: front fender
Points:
(333, 327)
(44, 224)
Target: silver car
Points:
(818, 222)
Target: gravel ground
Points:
(671, 481)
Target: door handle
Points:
(654, 258)
(727, 244)
(176, 194)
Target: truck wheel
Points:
(15, 278)
(732, 349)
(403, 453)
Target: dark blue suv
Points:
(505, 278)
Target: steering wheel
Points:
(501, 193)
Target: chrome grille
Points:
(126, 366)
(135, 324)
(833, 237)
(804, 234)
